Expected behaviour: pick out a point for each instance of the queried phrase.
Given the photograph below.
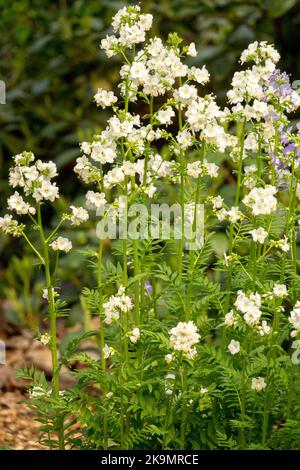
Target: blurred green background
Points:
(51, 64)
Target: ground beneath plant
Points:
(19, 428)
(18, 425)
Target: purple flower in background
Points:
(289, 147)
(280, 84)
(148, 287)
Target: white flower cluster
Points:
(61, 244)
(35, 180)
(230, 318)
(183, 338)
(202, 114)
(95, 200)
(78, 216)
(261, 200)
(280, 290)
(134, 335)
(233, 214)
(9, 226)
(283, 244)
(258, 384)
(249, 306)
(104, 98)
(196, 169)
(260, 52)
(16, 203)
(117, 304)
(294, 319)
(248, 86)
(131, 26)
(108, 351)
(259, 235)
(234, 347)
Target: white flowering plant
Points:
(195, 344)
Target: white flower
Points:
(9, 226)
(280, 290)
(103, 150)
(16, 203)
(230, 318)
(37, 392)
(250, 143)
(134, 335)
(259, 235)
(201, 76)
(86, 148)
(211, 169)
(164, 116)
(46, 293)
(114, 177)
(183, 337)
(264, 328)
(184, 139)
(234, 214)
(45, 339)
(47, 191)
(79, 215)
(294, 317)
(283, 244)
(108, 351)
(61, 244)
(194, 169)
(139, 72)
(221, 214)
(261, 200)
(186, 94)
(215, 134)
(217, 202)
(104, 98)
(47, 169)
(258, 384)
(95, 200)
(115, 305)
(250, 306)
(234, 347)
(168, 358)
(192, 52)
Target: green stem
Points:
(136, 282)
(169, 414)
(55, 230)
(236, 203)
(181, 198)
(33, 248)
(243, 404)
(265, 420)
(184, 411)
(51, 302)
(102, 337)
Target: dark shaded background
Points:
(51, 64)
